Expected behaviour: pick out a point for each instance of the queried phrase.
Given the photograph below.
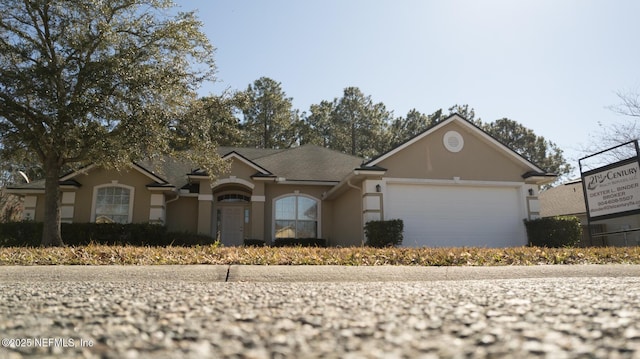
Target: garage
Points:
(457, 215)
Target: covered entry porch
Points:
(236, 213)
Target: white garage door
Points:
(455, 216)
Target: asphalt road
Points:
(335, 312)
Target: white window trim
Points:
(95, 199)
(295, 194)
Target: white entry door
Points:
(232, 231)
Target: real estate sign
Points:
(613, 190)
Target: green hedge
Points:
(29, 234)
(554, 232)
(299, 242)
(384, 233)
(20, 234)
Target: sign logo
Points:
(610, 176)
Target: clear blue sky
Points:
(552, 65)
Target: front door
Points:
(232, 231)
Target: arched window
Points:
(296, 216)
(112, 204)
(234, 197)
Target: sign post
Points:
(612, 190)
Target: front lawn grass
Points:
(354, 256)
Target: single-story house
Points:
(452, 185)
(568, 200)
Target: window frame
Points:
(296, 195)
(94, 203)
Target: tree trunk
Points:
(353, 140)
(51, 235)
(266, 134)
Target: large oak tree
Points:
(98, 81)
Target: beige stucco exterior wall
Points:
(99, 176)
(182, 215)
(347, 219)
(429, 159)
(241, 170)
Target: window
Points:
(234, 197)
(296, 217)
(113, 204)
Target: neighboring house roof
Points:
(563, 200)
(31, 187)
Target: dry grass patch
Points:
(355, 256)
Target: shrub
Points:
(29, 234)
(384, 233)
(554, 232)
(299, 242)
(137, 234)
(20, 234)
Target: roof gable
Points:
(455, 118)
(69, 180)
(250, 153)
(233, 155)
(139, 168)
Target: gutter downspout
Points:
(351, 185)
(362, 240)
(173, 199)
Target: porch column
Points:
(372, 201)
(257, 217)
(533, 203)
(205, 202)
(258, 200)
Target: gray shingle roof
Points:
(172, 169)
(304, 163)
(310, 163)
